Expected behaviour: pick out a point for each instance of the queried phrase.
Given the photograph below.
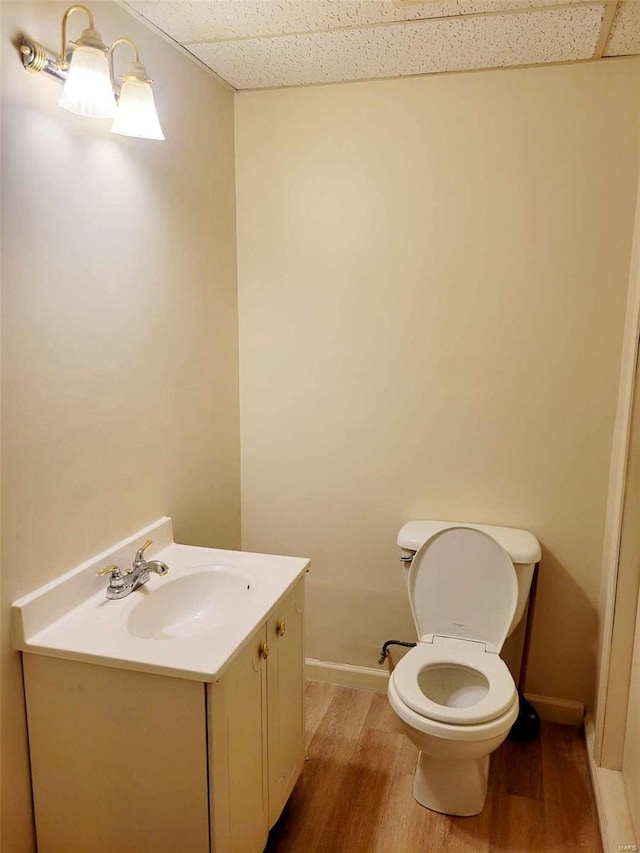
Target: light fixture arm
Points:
(124, 41)
(36, 58)
(112, 51)
(65, 18)
(135, 71)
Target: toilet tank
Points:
(521, 545)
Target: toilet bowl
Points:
(453, 694)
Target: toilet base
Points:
(452, 787)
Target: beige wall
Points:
(432, 283)
(119, 331)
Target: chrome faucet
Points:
(121, 585)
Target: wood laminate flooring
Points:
(355, 792)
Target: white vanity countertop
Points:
(71, 618)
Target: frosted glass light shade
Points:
(136, 114)
(87, 90)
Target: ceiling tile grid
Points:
(272, 43)
(404, 49)
(189, 21)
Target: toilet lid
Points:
(462, 583)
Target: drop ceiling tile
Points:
(625, 32)
(208, 20)
(555, 35)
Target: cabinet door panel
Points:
(285, 686)
(118, 759)
(238, 753)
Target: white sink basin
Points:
(189, 605)
(205, 609)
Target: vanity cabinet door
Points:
(118, 759)
(237, 712)
(285, 689)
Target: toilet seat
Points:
(471, 733)
(463, 655)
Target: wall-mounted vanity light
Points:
(136, 113)
(90, 89)
(87, 90)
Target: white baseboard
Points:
(347, 675)
(367, 678)
(616, 827)
(557, 710)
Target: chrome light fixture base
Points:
(36, 59)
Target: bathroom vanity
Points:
(173, 718)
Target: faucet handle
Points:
(139, 558)
(116, 587)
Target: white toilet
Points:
(454, 695)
